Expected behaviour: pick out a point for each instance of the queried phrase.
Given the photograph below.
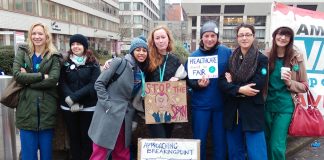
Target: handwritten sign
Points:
(166, 102)
(163, 149)
(206, 66)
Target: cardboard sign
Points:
(164, 149)
(206, 66)
(165, 102)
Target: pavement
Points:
(295, 144)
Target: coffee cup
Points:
(284, 70)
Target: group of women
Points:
(249, 106)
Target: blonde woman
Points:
(37, 66)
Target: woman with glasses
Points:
(281, 88)
(242, 85)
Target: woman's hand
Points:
(248, 90)
(203, 82)
(23, 70)
(107, 64)
(286, 77)
(228, 77)
(173, 79)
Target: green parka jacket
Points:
(38, 100)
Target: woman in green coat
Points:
(37, 67)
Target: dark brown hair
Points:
(273, 55)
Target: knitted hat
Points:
(80, 39)
(138, 42)
(209, 26)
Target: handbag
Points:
(10, 96)
(306, 122)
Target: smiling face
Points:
(209, 40)
(161, 40)
(245, 38)
(38, 36)
(77, 49)
(282, 40)
(140, 54)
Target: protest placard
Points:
(168, 149)
(206, 66)
(165, 102)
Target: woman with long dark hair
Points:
(244, 105)
(281, 89)
(78, 96)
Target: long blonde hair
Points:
(49, 46)
(155, 57)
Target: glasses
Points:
(245, 35)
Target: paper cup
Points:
(283, 70)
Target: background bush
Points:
(7, 55)
(180, 52)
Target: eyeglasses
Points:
(245, 35)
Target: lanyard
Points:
(143, 84)
(163, 70)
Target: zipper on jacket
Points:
(237, 116)
(38, 114)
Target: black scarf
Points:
(243, 68)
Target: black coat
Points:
(78, 83)
(251, 109)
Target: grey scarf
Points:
(243, 68)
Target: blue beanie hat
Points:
(138, 42)
(209, 26)
(80, 39)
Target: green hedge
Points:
(7, 55)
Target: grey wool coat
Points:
(113, 106)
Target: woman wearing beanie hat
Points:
(78, 97)
(206, 98)
(111, 126)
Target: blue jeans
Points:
(201, 121)
(254, 140)
(31, 141)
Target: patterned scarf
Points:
(243, 68)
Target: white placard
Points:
(206, 66)
(163, 149)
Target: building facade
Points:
(136, 17)
(230, 13)
(96, 19)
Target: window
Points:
(193, 34)
(137, 6)
(256, 20)
(229, 34)
(137, 19)
(260, 33)
(53, 10)
(210, 9)
(209, 18)
(194, 21)
(234, 9)
(137, 32)
(309, 7)
(19, 5)
(29, 6)
(232, 20)
(45, 9)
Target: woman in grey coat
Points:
(111, 125)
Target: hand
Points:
(228, 77)
(203, 82)
(107, 64)
(69, 101)
(23, 70)
(286, 77)
(248, 90)
(173, 79)
(76, 107)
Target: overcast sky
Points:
(173, 1)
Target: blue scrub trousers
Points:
(254, 141)
(201, 120)
(31, 141)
